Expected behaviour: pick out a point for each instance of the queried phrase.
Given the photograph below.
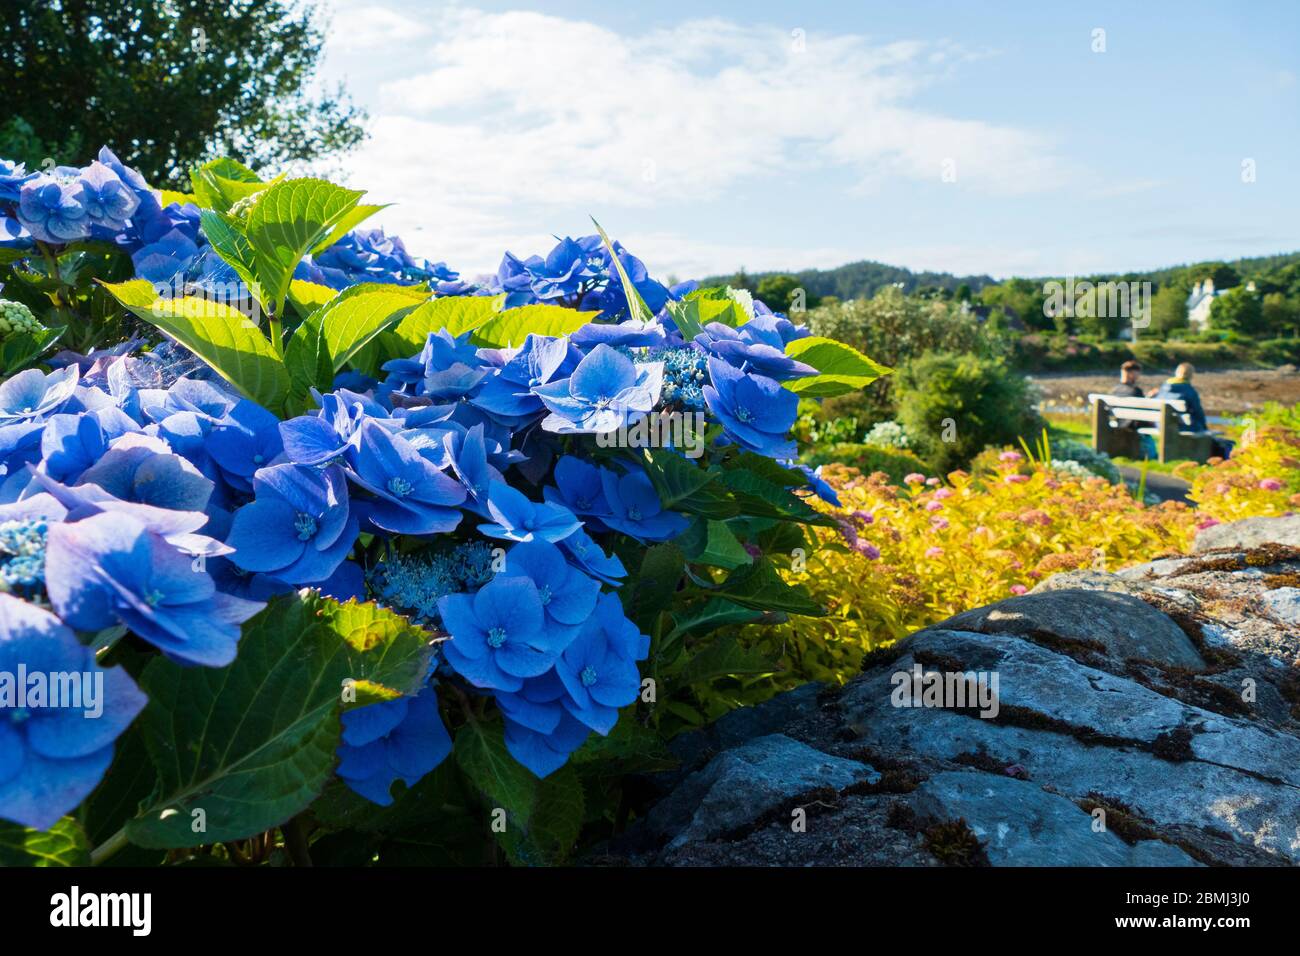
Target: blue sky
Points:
(968, 137)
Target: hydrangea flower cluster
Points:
(463, 487)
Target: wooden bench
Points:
(1164, 419)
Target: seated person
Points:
(1128, 387)
(1180, 387)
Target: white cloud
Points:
(508, 118)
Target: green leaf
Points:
(168, 196)
(635, 747)
(21, 350)
(63, 844)
(328, 339)
(511, 327)
(360, 214)
(502, 780)
(553, 828)
(684, 486)
(724, 657)
(636, 307)
(223, 337)
(457, 314)
(287, 220)
(841, 368)
(655, 585)
(760, 586)
(718, 547)
(223, 182)
(252, 744)
(716, 613)
(307, 297)
(226, 235)
(765, 499)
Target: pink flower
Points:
(1010, 456)
(943, 493)
(938, 524)
(915, 478)
(1207, 523)
(932, 481)
(866, 517)
(933, 505)
(868, 551)
(1019, 589)
(1015, 479)
(1052, 483)
(934, 552)
(1270, 484)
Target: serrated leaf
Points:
(716, 613)
(223, 337)
(841, 368)
(764, 499)
(457, 314)
(63, 844)
(504, 782)
(760, 586)
(221, 183)
(252, 744)
(360, 214)
(724, 657)
(307, 297)
(510, 328)
(287, 220)
(719, 547)
(655, 584)
(21, 350)
(227, 237)
(554, 826)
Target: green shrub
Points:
(897, 463)
(954, 405)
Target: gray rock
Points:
(1124, 624)
(1250, 533)
(1023, 825)
(1284, 604)
(737, 787)
(1083, 730)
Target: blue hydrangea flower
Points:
(578, 487)
(411, 496)
(599, 669)
(72, 443)
(588, 556)
(632, 333)
(605, 392)
(545, 753)
(447, 368)
(500, 635)
(50, 209)
(757, 346)
(568, 596)
(52, 757)
(414, 583)
(12, 177)
(755, 411)
(635, 508)
(685, 375)
(108, 201)
(540, 360)
(516, 518)
(109, 569)
(245, 439)
(563, 273)
(612, 300)
(33, 395)
(298, 528)
(170, 255)
(393, 740)
(24, 526)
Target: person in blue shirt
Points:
(1180, 387)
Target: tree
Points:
(1169, 309)
(1237, 310)
(1280, 315)
(779, 293)
(166, 85)
(1224, 275)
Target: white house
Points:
(1200, 301)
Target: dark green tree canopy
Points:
(167, 83)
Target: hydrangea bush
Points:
(350, 555)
